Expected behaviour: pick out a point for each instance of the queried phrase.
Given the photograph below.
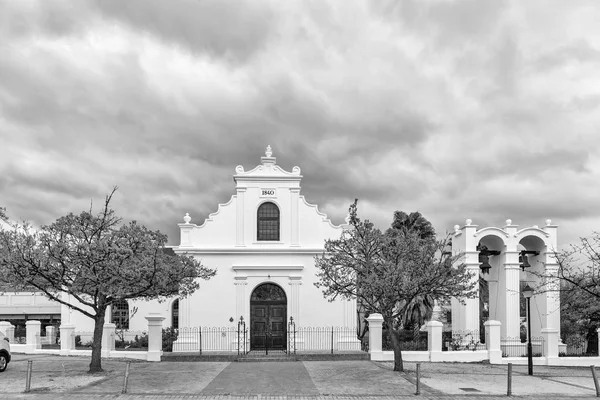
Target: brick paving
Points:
(318, 380)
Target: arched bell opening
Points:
(491, 260)
(531, 260)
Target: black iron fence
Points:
(206, 339)
(408, 341)
(330, 339)
(579, 346)
(516, 347)
(462, 340)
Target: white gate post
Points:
(434, 340)
(8, 329)
(32, 334)
(67, 338)
(51, 334)
(154, 336)
(108, 338)
(375, 331)
(492, 341)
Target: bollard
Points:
(418, 379)
(509, 389)
(28, 382)
(595, 380)
(126, 378)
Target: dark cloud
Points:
(457, 109)
(230, 29)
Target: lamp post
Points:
(527, 293)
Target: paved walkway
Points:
(65, 378)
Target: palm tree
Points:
(420, 308)
(413, 222)
(418, 311)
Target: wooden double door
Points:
(268, 329)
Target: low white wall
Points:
(136, 355)
(557, 361)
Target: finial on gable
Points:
(268, 158)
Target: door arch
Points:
(268, 316)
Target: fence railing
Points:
(514, 347)
(202, 339)
(407, 341)
(462, 340)
(330, 339)
(579, 346)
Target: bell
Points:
(485, 264)
(524, 261)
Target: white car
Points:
(4, 352)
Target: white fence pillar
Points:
(434, 340)
(51, 334)
(32, 334)
(375, 331)
(550, 336)
(492, 341)
(108, 339)
(8, 329)
(67, 338)
(154, 336)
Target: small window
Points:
(175, 314)
(268, 222)
(120, 314)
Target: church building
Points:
(262, 243)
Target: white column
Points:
(294, 302)
(294, 195)
(511, 327)
(472, 305)
(108, 338)
(350, 314)
(184, 312)
(32, 333)
(241, 309)
(465, 317)
(375, 332)
(155, 321)
(239, 236)
(552, 286)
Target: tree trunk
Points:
(398, 365)
(96, 363)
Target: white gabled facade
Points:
(227, 241)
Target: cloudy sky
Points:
(457, 109)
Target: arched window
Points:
(120, 314)
(267, 222)
(175, 315)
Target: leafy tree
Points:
(579, 267)
(95, 260)
(580, 317)
(388, 274)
